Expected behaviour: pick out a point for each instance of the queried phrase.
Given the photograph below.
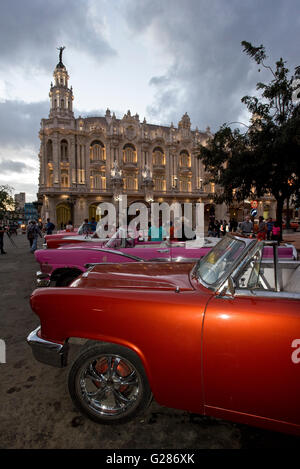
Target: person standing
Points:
(156, 233)
(276, 232)
(261, 231)
(49, 227)
(93, 225)
(33, 232)
(69, 226)
(246, 227)
(85, 228)
(2, 231)
(218, 228)
(233, 224)
(269, 228)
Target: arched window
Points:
(64, 178)
(184, 159)
(158, 157)
(98, 180)
(94, 212)
(50, 178)
(159, 183)
(64, 150)
(129, 153)
(130, 183)
(185, 184)
(49, 151)
(97, 151)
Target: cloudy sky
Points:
(158, 58)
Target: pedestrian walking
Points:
(33, 232)
(49, 227)
(2, 232)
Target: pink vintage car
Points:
(64, 264)
(61, 266)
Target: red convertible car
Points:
(220, 337)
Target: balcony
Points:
(159, 167)
(97, 163)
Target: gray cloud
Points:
(20, 123)
(30, 30)
(9, 166)
(209, 73)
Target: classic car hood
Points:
(138, 275)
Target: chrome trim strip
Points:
(267, 294)
(48, 352)
(109, 251)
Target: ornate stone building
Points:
(85, 161)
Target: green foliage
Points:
(266, 158)
(6, 200)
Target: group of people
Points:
(179, 230)
(87, 227)
(269, 230)
(218, 228)
(35, 230)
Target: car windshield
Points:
(218, 263)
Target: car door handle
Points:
(163, 250)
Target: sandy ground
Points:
(36, 411)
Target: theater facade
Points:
(86, 161)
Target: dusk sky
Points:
(156, 58)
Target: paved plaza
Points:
(37, 412)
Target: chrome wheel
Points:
(108, 385)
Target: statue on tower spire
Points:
(60, 53)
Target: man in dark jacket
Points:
(2, 231)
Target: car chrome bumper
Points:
(42, 280)
(44, 351)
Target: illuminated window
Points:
(64, 178)
(98, 180)
(158, 157)
(64, 150)
(49, 151)
(184, 159)
(185, 185)
(129, 154)
(130, 183)
(97, 151)
(50, 178)
(159, 183)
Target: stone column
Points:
(56, 169)
(72, 162)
